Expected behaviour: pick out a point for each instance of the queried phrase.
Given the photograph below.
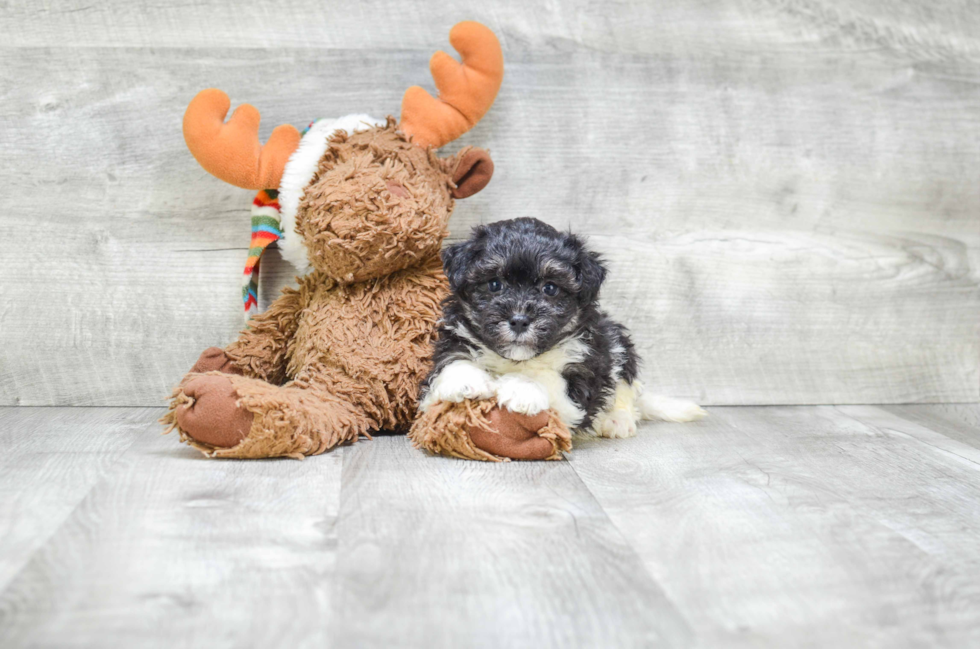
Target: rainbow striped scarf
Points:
(265, 229)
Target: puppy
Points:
(523, 324)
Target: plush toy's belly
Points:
(378, 333)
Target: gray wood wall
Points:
(788, 191)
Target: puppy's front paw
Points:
(458, 381)
(521, 395)
(616, 425)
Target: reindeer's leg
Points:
(482, 430)
(215, 359)
(208, 403)
(260, 350)
(226, 415)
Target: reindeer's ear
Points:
(473, 171)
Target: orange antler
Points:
(466, 90)
(232, 151)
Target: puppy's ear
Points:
(590, 270)
(455, 260)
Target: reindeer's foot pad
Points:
(482, 430)
(513, 435)
(211, 412)
(230, 416)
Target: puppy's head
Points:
(523, 286)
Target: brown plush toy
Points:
(361, 206)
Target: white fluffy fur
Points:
(530, 386)
(630, 404)
(457, 381)
(299, 172)
(545, 371)
(620, 417)
(614, 424)
(653, 406)
(520, 394)
(526, 387)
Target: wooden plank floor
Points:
(762, 526)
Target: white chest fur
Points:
(544, 370)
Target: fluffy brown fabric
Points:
(343, 354)
(214, 359)
(354, 226)
(479, 430)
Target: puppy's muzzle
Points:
(519, 323)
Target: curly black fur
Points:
(503, 271)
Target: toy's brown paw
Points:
(515, 437)
(214, 416)
(214, 359)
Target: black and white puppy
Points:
(523, 324)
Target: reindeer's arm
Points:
(261, 351)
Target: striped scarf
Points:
(265, 230)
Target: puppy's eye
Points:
(494, 285)
(550, 289)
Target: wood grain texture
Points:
(51, 458)
(630, 26)
(959, 421)
(779, 527)
(801, 526)
(437, 552)
(171, 549)
(786, 191)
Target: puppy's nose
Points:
(519, 323)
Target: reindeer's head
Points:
(361, 198)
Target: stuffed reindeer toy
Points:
(361, 206)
